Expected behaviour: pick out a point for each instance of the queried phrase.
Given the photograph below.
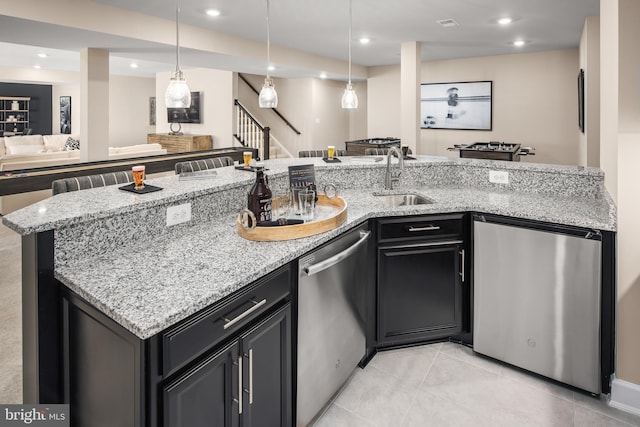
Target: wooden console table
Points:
(181, 143)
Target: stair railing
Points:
(252, 134)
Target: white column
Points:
(94, 104)
(410, 79)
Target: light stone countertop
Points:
(152, 284)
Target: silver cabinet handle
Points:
(250, 376)
(231, 322)
(428, 228)
(240, 397)
(329, 262)
(462, 272)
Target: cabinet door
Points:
(206, 394)
(419, 292)
(267, 385)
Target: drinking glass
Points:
(138, 177)
(331, 150)
(295, 199)
(246, 157)
(307, 204)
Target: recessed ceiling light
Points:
(505, 21)
(37, 67)
(213, 12)
(323, 75)
(133, 65)
(271, 68)
(42, 55)
(364, 40)
(518, 43)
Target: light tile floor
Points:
(446, 384)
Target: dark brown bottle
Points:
(259, 197)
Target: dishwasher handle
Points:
(310, 270)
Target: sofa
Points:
(36, 151)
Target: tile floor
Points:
(442, 384)
(446, 384)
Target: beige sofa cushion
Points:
(24, 149)
(14, 162)
(13, 141)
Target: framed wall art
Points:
(456, 105)
(581, 100)
(152, 110)
(65, 114)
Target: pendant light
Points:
(177, 94)
(349, 97)
(268, 96)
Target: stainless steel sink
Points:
(403, 199)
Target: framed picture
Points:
(581, 100)
(152, 110)
(65, 114)
(457, 105)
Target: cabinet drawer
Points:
(422, 227)
(204, 330)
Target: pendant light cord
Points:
(177, 38)
(350, 23)
(268, 42)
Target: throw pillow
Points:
(71, 144)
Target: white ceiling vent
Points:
(448, 22)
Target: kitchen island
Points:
(114, 252)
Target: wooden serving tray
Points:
(337, 215)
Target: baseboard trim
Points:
(625, 396)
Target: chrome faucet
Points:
(390, 176)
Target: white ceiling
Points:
(317, 27)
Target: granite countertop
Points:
(174, 274)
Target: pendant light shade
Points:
(349, 97)
(177, 94)
(268, 96)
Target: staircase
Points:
(252, 134)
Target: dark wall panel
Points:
(39, 107)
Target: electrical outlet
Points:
(178, 214)
(499, 177)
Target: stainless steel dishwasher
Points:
(331, 320)
(537, 298)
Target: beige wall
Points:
(216, 103)
(129, 110)
(589, 145)
(534, 103)
(609, 94)
(620, 148)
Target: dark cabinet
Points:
(266, 354)
(420, 278)
(204, 396)
(246, 383)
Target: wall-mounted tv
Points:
(186, 115)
